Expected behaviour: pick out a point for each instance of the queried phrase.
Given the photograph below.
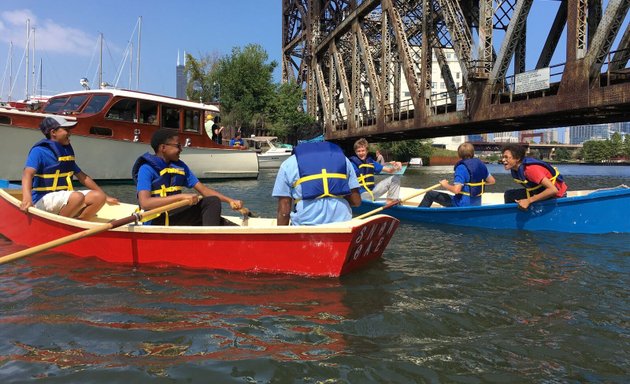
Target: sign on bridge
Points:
(531, 81)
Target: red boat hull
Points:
(313, 251)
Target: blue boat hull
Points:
(603, 211)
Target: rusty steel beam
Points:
(365, 65)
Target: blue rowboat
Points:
(599, 211)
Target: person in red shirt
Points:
(540, 179)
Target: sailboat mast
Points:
(41, 77)
(100, 65)
(138, 54)
(33, 61)
(28, 47)
(10, 70)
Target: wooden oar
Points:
(389, 205)
(88, 232)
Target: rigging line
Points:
(18, 68)
(111, 58)
(122, 65)
(92, 58)
(6, 69)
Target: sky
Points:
(67, 34)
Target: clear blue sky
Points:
(66, 36)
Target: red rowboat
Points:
(252, 245)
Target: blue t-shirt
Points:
(462, 176)
(146, 175)
(39, 158)
(316, 211)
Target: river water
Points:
(444, 305)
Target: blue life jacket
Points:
(478, 172)
(366, 172)
(519, 175)
(322, 169)
(172, 177)
(57, 176)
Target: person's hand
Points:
(236, 204)
(444, 183)
(26, 204)
(191, 196)
(111, 200)
(523, 204)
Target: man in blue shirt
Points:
(471, 175)
(161, 178)
(316, 185)
(237, 141)
(48, 172)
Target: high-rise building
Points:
(581, 133)
(180, 78)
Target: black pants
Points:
(444, 199)
(511, 195)
(207, 212)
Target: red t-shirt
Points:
(535, 173)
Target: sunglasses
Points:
(178, 146)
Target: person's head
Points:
(57, 128)
(237, 134)
(165, 142)
(378, 152)
(513, 155)
(209, 117)
(361, 148)
(466, 151)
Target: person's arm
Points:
(89, 183)
(206, 191)
(455, 188)
(284, 210)
(392, 167)
(490, 180)
(27, 187)
(549, 192)
(148, 202)
(354, 198)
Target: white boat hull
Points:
(268, 160)
(108, 159)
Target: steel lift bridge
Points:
(354, 58)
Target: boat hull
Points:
(270, 161)
(110, 159)
(254, 245)
(603, 211)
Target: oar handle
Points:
(389, 205)
(91, 231)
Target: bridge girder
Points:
(354, 58)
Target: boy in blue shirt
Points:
(161, 178)
(471, 175)
(48, 172)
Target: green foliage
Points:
(616, 144)
(562, 154)
(246, 85)
(626, 146)
(596, 151)
(202, 83)
(287, 114)
(405, 150)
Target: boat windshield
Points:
(67, 104)
(96, 104)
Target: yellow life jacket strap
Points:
(177, 171)
(482, 183)
(55, 176)
(324, 176)
(164, 190)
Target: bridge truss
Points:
(353, 58)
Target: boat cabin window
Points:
(191, 120)
(148, 112)
(74, 103)
(96, 104)
(124, 110)
(5, 119)
(170, 117)
(55, 104)
(101, 131)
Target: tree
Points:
(289, 120)
(202, 83)
(596, 151)
(562, 154)
(246, 84)
(616, 145)
(626, 146)
(405, 150)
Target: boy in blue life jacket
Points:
(48, 173)
(366, 167)
(316, 185)
(161, 178)
(471, 176)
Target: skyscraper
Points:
(180, 78)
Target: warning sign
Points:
(531, 81)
